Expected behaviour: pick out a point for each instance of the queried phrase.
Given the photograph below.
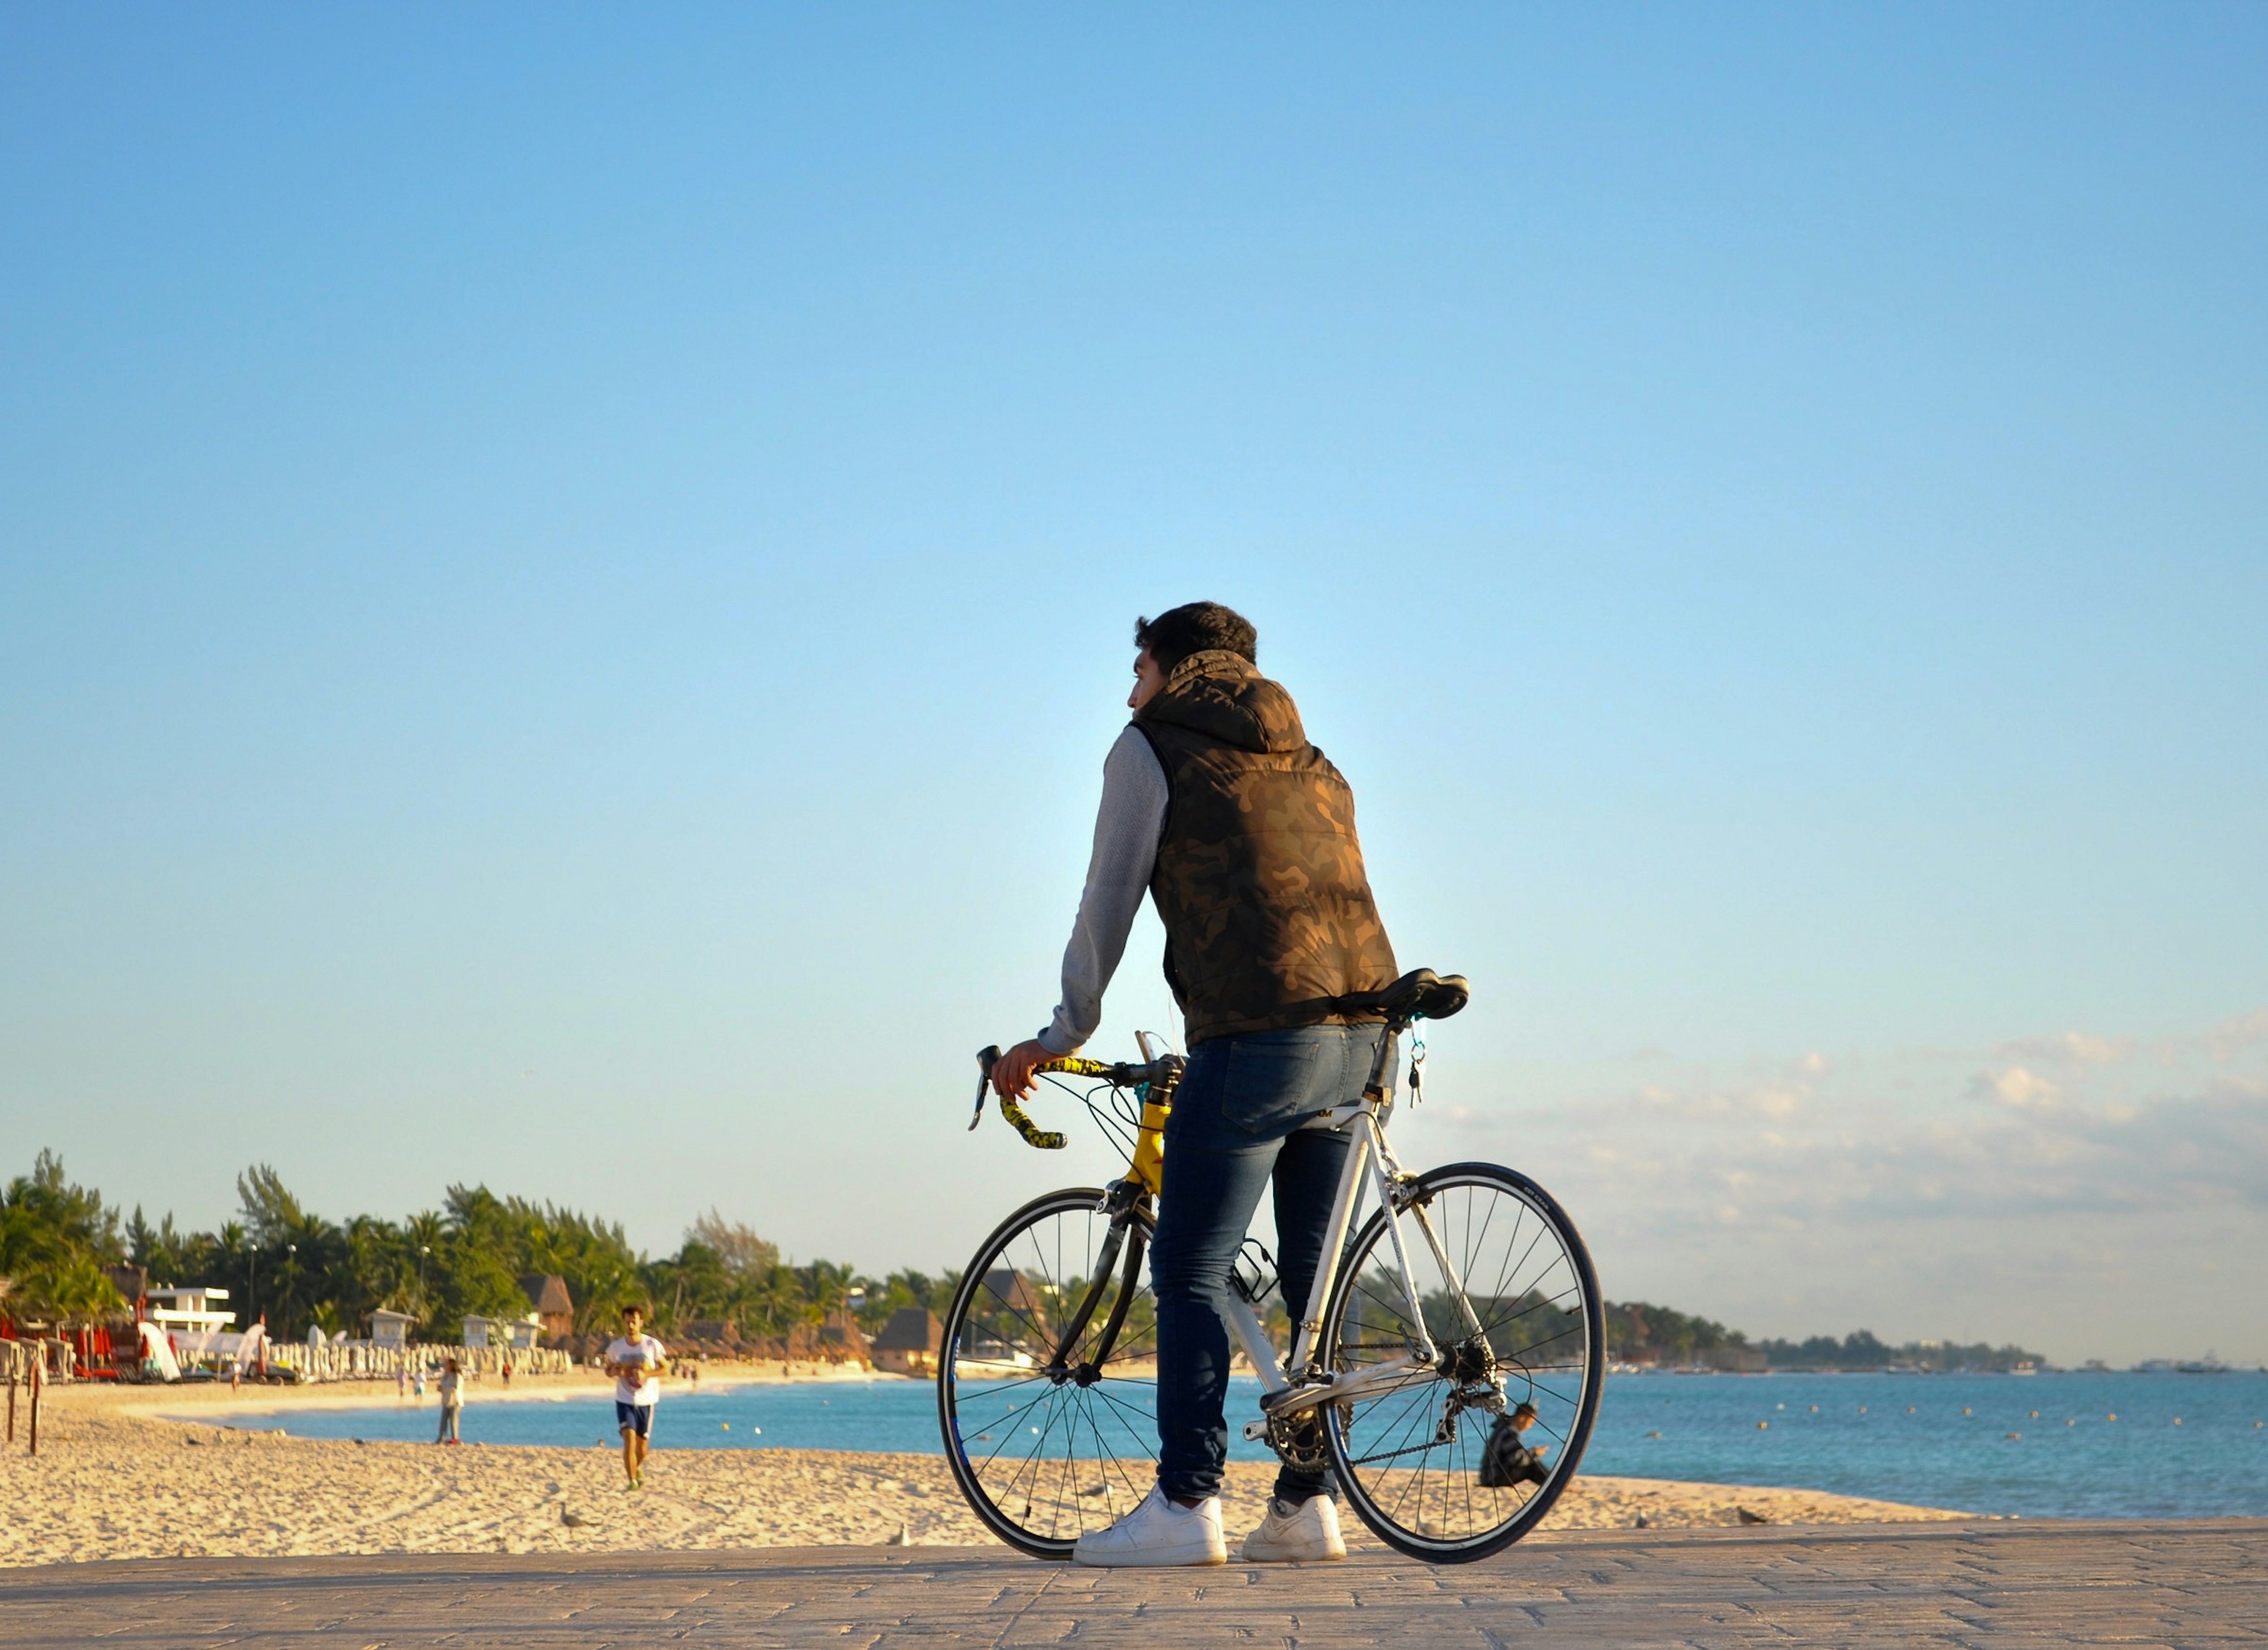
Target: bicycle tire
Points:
(1096, 1455)
(1543, 1318)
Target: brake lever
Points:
(985, 1057)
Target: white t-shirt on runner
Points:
(646, 1351)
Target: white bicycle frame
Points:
(1369, 1163)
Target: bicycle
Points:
(1401, 1378)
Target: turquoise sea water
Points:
(2182, 1446)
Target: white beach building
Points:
(513, 1334)
(185, 1307)
(190, 1319)
(389, 1329)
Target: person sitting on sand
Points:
(636, 1360)
(452, 1403)
(1507, 1460)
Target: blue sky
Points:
(565, 577)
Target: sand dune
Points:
(113, 1482)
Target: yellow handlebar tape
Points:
(1046, 1139)
(1072, 1067)
(1050, 1139)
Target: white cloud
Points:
(2235, 1036)
(2018, 1087)
(1936, 1175)
(2068, 1047)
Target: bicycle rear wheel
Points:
(1045, 1447)
(1410, 1460)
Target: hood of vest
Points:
(1223, 697)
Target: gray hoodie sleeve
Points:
(1126, 827)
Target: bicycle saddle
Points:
(1420, 994)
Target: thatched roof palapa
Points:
(911, 1329)
(547, 1294)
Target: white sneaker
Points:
(1306, 1533)
(1157, 1532)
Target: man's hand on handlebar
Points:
(1011, 1073)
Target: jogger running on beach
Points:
(636, 1360)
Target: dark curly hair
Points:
(1196, 627)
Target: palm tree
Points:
(77, 1289)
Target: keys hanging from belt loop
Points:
(1417, 1067)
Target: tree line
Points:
(1640, 1332)
(300, 1269)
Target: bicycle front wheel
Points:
(1417, 1460)
(1047, 1385)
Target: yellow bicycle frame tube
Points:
(1149, 1144)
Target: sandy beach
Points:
(114, 1480)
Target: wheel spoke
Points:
(1523, 1270)
(1054, 1445)
(1050, 1439)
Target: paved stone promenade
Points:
(2204, 1583)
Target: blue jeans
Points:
(1235, 1128)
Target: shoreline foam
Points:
(193, 1402)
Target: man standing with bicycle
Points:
(1243, 833)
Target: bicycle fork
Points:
(1125, 1238)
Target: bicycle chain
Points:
(1434, 1442)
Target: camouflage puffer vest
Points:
(1259, 881)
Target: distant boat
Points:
(2208, 1364)
(2025, 1366)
